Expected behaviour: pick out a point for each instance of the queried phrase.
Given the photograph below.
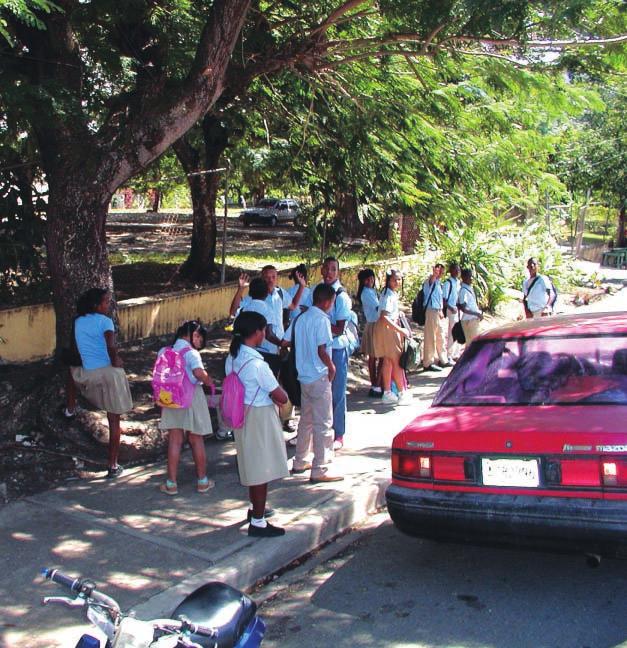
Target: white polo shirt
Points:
(388, 302)
(537, 297)
(370, 304)
(313, 328)
(468, 299)
(260, 306)
(256, 376)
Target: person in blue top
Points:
(194, 422)
(299, 276)
(369, 299)
(310, 333)
(101, 378)
(339, 314)
(450, 291)
(389, 338)
(434, 320)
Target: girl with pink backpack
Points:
(184, 410)
(250, 394)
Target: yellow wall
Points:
(28, 333)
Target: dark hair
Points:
(322, 292)
(187, 329)
(258, 288)
(439, 265)
(302, 268)
(532, 260)
(466, 273)
(364, 274)
(89, 301)
(268, 267)
(331, 259)
(246, 324)
(389, 273)
(453, 265)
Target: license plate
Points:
(510, 472)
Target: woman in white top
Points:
(193, 422)
(369, 299)
(261, 455)
(389, 335)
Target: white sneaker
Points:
(405, 398)
(389, 397)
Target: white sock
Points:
(259, 522)
(376, 389)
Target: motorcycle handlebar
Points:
(73, 584)
(184, 624)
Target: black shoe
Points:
(113, 473)
(432, 367)
(268, 531)
(267, 513)
(224, 436)
(375, 394)
(444, 365)
(290, 426)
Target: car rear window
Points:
(266, 202)
(540, 371)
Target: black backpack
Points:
(289, 372)
(418, 308)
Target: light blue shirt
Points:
(306, 300)
(341, 311)
(450, 290)
(312, 328)
(435, 301)
(388, 302)
(261, 306)
(468, 299)
(258, 380)
(537, 297)
(89, 331)
(370, 304)
(276, 301)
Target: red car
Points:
(525, 442)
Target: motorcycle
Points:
(215, 615)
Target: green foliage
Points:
(25, 11)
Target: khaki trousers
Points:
(315, 427)
(434, 347)
(471, 329)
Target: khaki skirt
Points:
(387, 342)
(194, 419)
(106, 388)
(261, 455)
(367, 340)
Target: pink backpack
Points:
(171, 386)
(232, 399)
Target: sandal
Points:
(169, 488)
(205, 484)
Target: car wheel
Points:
(273, 221)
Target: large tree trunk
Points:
(200, 265)
(346, 213)
(77, 249)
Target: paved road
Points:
(387, 589)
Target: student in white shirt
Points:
(389, 336)
(369, 299)
(261, 455)
(310, 333)
(467, 304)
(299, 276)
(536, 292)
(450, 291)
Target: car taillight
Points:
(614, 472)
(574, 472)
(411, 464)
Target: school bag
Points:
(171, 386)
(418, 308)
(232, 404)
(410, 357)
(289, 372)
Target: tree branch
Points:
(336, 15)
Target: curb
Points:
(260, 559)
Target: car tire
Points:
(273, 221)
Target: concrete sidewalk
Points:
(148, 550)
